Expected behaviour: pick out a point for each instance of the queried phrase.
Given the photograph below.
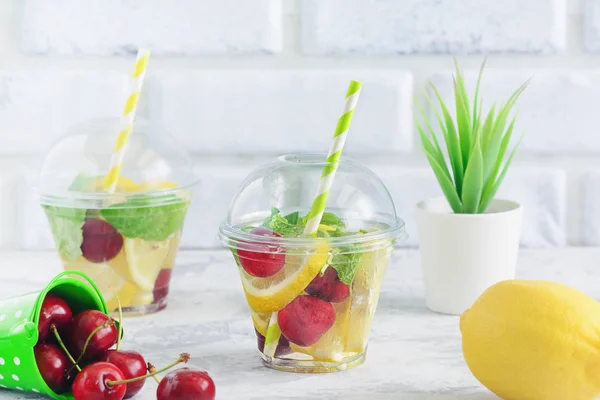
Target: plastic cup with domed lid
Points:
(19, 318)
(312, 298)
(126, 240)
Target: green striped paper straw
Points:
(318, 206)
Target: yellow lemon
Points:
(534, 340)
(111, 284)
(266, 295)
(144, 260)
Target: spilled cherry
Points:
(131, 364)
(53, 363)
(93, 383)
(105, 381)
(101, 241)
(260, 260)
(55, 311)
(82, 327)
(186, 384)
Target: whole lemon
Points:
(534, 340)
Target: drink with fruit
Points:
(126, 240)
(311, 298)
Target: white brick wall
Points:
(432, 26)
(241, 82)
(272, 112)
(187, 27)
(558, 111)
(36, 106)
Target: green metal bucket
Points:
(19, 334)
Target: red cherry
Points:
(82, 326)
(305, 320)
(101, 241)
(92, 383)
(132, 364)
(54, 311)
(260, 260)
(53, 363)
(328, 287)
(186, 384)
(161, 286)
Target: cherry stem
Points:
(120, 330)
(183, 358)
(105, 325)
(62, 345)
(152, 369)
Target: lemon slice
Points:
(142, 298)
(266, 295)
(144, 261)
(169, 262)
(111, 284)
(365, 293)
(261, 321)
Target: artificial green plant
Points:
(476, 146)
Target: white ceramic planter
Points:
(464, 254)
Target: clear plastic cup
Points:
(321, 290)
(126, 241)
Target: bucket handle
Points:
(58, 277)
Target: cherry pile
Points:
(308, 317)
(86, 364)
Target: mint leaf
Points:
(66, 224)
(140, 218)
(347, 264)
(293, 218)
(278, 223)
(330, 219)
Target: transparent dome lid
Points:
(73, 171)
(359, 208)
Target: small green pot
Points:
(19, 334)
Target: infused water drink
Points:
(126, 240)
(311, 298)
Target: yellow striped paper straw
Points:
(318, 206)
(136, 82)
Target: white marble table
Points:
(413, 353)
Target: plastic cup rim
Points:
(231, 236)
(71, 199)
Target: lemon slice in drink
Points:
(169, 261)
(261, 321)
(108, 280)
(266, 295)
(144, 261)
